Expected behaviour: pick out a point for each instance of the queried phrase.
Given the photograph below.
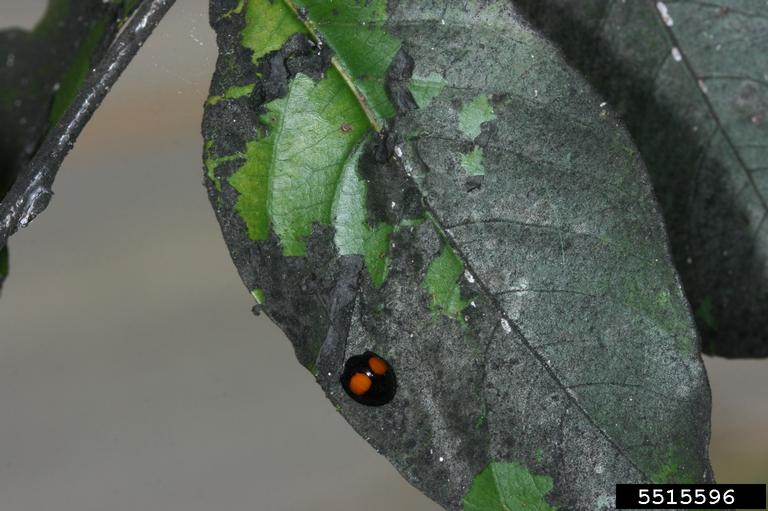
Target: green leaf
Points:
(258, 295)
(42, 71)
(350, 219)
(292, 181)
(232, 93)
(425, 88)
(472, 162)
(474, 114)
(688, 79)
(277, 16)
(507, 486)
(443, 283)
(488, 229)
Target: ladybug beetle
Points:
(369, 379)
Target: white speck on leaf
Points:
(676, 54)
(703, 86)
(505, 326)
(470, 278)
(662, 8)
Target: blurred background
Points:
(132, 372)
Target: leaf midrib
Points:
(310, 26)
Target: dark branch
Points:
(31, 192)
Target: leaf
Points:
(52, 80)
(43, 69)
(688, 78)
(442, 281)
(530, 311)
(506, 486)
(40, 72)
(40, 75)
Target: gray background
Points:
(133, 375)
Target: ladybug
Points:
(369, 379)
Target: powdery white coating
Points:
(33, 206)
(662, 8)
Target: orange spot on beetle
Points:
(378, 366)
(359, 384)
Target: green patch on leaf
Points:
(506, 487)
(238, 91)
(480, 421)
(705, 312)
(674, 469)
(258, 295)
(252, 179)
(235, 10)
(268, 25)
(211, 164)
(354, 236)
(473, 162)
(655, 305)
(426, 88)
(475, 113)
(442, 283)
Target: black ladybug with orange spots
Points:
(369, 379)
